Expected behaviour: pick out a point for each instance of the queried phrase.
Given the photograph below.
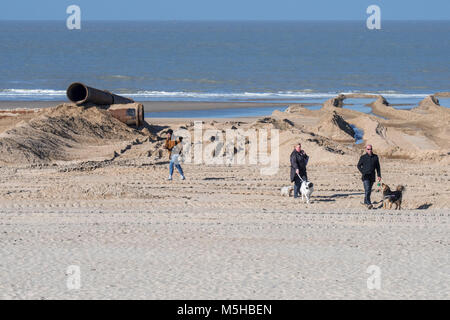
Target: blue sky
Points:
(225, 9)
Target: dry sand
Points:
(102, 202)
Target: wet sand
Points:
(152, 106)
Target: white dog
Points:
(306, 189)
(287, 191)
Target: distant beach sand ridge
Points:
(62, 133)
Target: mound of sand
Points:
(54, 133)
(419, 134)
(319, 146)
(335, 127)
(430, 105)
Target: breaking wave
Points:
(40, 94)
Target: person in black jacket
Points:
(367, 165)
(299, 160)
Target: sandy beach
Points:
(79, 188)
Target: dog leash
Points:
(381, 191)
(300, 178)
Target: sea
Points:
(256, 61)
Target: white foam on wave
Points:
(304, 94)
(405, 95)
(31, 92)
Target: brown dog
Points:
(392, 197)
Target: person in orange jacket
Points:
(174, 147)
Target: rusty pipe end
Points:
(78, 93)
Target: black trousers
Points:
(368, 184)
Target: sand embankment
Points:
(421, 133)
(442, 94)
(62, 133)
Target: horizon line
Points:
(226, 20)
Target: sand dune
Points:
(62, 133)
(420, 134)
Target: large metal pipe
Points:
(130, 113)
(80, 93)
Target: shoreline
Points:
(154, 106)
(187, 105)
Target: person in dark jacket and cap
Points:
(299, 160)
(367, 165)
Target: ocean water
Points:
(358, 104)
(226, 61)
(445, 102)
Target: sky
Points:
(225, 9)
